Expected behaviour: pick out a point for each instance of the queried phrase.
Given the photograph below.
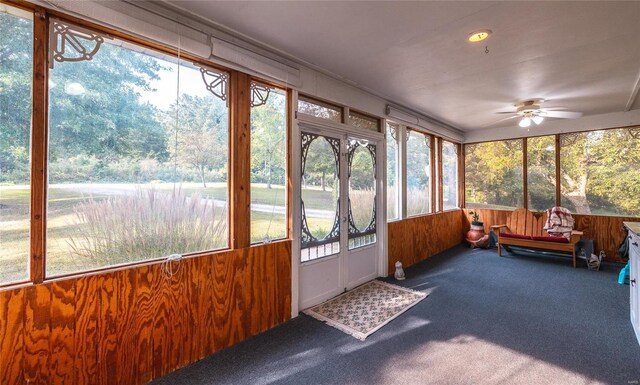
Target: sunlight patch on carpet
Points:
(362, 311)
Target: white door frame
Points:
(317, 125)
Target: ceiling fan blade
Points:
(507, 112)
(561, 114)
(498, 121)
(553, 108)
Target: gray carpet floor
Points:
(487, 320)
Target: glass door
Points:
(361, 255)
(338, 202)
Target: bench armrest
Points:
(576, 235)
(497, 226)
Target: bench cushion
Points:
(518, 236)
(536, 238)
(551, 239)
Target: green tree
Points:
(197, 130)
(599, 171)
(493, 174)
(541, 172)
(16, 65)
(108, 120)
(268, 140)
(320, 163)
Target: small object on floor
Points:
(365, 309)
(593, 263)
(482, 243)
(624, 274)
(399, 274)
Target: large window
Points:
(16, 64)
(419, 181)
(268, 163)
(449, 175)
(541, 172)
(600, 172)
(138, 154)
(493, 175)
(393, 173)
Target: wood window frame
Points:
(459, 161)
(434, 180)
(524, 164)
(558, 176)
(288, 181)
(239, 132)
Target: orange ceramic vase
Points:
(476, 232)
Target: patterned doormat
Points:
(365, 309)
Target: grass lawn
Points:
(62, 220)
(314, 198)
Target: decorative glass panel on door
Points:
(362, 193)
(320, 197)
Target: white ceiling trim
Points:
(417, 120)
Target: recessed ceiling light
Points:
(479, 35)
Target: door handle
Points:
(635, 244)
(633, 282)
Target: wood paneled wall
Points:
(134, 325)
(412, 240)
(606, 232)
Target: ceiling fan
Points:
(530, 111)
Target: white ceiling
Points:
(584, 56)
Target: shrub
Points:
(362, 202)
(146, 224)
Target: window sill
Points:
(14, 285)
(130, 265)
(279, 240)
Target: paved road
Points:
(127, 188)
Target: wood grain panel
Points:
(107, 354)
(144, 312)
(87, 333)
(133, 325)
(192, 312)
(161, 297)
(415, 239)
(12, 337)
(177, 307)
(37, 333)
(605, 231)
(240, 168)
(62, 343)
(39, 144)
(127, 360)
(282, 257)
(207, 307)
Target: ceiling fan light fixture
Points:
(479, 35)
(525, 122)
(537, 119)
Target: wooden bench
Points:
(526, 229)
